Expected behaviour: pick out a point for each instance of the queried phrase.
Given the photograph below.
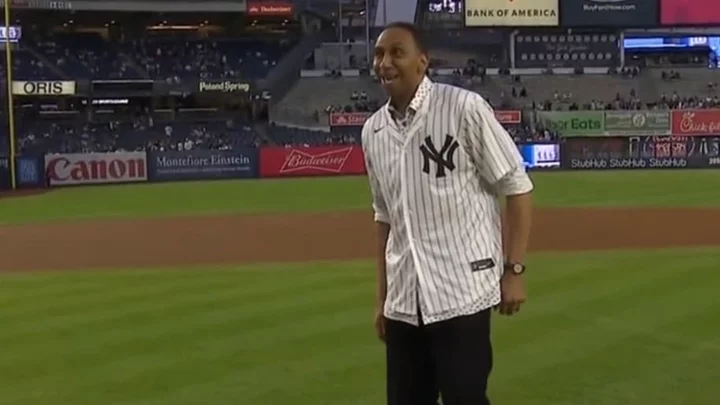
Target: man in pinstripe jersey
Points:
(437, 162)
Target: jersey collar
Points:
(421, 94)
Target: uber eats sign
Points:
(43, 88)
(573, 123)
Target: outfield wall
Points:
(576, 153)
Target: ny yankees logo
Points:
(444, 159)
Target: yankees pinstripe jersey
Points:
(435, 177)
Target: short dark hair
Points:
(414, 32)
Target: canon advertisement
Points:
(96, 168)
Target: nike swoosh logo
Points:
(376, 130)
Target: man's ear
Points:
(424, 62)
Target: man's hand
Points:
(514, 293)
(380, 321)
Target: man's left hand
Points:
(514, 293)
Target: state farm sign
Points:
(96, 168)
(355, 119)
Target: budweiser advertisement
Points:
(95, 168)
(357, 119)
(270, 9)
(696, 122)
(311, 161)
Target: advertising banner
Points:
(12, 34)
(508, 116)
(203, 165)
(637, 122)
(270, 9)
(609, 13)
(641, 152)
(689, 12)
(357, 119)
(511, 13)
(696, 122)
(96, 168)
(5, 181)
(311, 161)
(540, 155)
(223, 86)
(29, 172)
(563, 49)
(43, 88)
(573, 123)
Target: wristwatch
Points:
(515, 268)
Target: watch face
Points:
(518, 268)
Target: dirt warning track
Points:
(191, 241)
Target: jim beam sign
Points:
(226, 86)
(43, 88)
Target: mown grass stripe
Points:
(608, 329)
(238, 285)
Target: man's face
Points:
(398, 63)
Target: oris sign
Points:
(43, 88)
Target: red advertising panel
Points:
(356, 119)
(96, 168)
(270, 9)
(311, 161)
(696, 122)
(689, 12)
(508, 117)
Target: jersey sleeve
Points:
(495, 154)
(378, 202)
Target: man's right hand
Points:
(380, 322)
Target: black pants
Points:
(452, 358)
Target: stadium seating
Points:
(86, 55)
(303, 107)
(47, 136)
(90, 56)
(206, 59)
(28, 66)
(301, 116)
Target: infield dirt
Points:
(211, 240)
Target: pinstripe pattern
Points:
(439, 225)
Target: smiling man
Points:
(437, 161)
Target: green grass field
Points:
(602, 328)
